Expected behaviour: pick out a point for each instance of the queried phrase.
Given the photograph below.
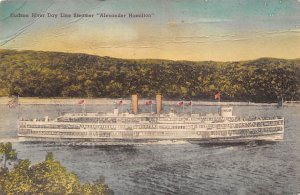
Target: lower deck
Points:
(274, 137)
(147, 135)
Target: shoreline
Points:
(111, 101)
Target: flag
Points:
(81, 102)
(218, 96)
(119, 102)
(13, 102)
(180, 103)
(148, 102)
(189, 104)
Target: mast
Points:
(84, 108)
(122, 106)
(218, 97)
(18, 105)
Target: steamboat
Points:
(117, 128)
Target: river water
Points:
(174, 168)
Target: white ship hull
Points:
(68, 140)
(111, 142)
(115, 129)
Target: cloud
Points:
(208, 20)
(199, 21)
(284, 31)
(192, 37)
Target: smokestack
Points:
(134, 102)
(158, 103)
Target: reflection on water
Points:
(256, 168)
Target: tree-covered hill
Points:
(56, 74)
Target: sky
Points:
(219, 30)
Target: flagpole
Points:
(122, 106)
(18, 107)
(220, 104)
(84, 107)
(191, 108)
(218, 96)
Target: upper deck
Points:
(108, 118)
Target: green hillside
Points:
(56, 74)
